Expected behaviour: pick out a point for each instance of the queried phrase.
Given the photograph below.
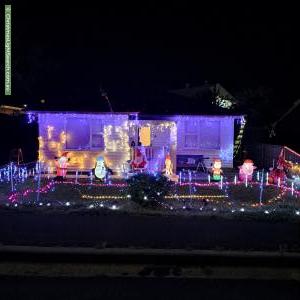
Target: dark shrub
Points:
(148, 190)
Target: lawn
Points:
(186, 199)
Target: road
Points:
(154, 288)
(100, 230)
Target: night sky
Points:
(137, 53)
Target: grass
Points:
(230, 202)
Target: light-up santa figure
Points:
(216, 170)
(100, 169)
(139, 161)
(61, 164)
(246, 170)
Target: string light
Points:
(102, 197)
(196, 196)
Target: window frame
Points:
(90, 144)
(197, 133)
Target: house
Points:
(85, 136)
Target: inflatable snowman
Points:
(100, 169)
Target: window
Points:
(209, 134)
(191, 126)
(191, 134)
(202, 134)
(97, 139)
(78, 134)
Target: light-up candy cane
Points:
(190, 177)
(278, 183)
(11, 177)
(261, 189)
(76, 177)
(292, 188)
(180, 177)
(257, 176)
(208, 178)
(246, 181)
(267, 178)
(235, 179)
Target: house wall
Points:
(226, 138)
(54, 138)
(166, 135)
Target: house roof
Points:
(190, 100)
(140, 115)
(199, 92)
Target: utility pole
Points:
(273, 126)
(104, 94)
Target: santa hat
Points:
(248, 161)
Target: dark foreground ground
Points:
(84, 276)
(99, 229)
(141, 288)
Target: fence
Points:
(266, 155)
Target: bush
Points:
(147, 189)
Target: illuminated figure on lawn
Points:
(216, 170)
(168, 170)
(281, 171)
(246, 170)
(100, 169)
(168, 166)
(139, 160)
(61, 164)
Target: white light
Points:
(183, 207)
(214, 209)
(171, 207)
(114, 207)
(232, 210)
(128, 196)
(145, 198)
(297, 212)
(16, 205)
(48, 204)
(40, 204)
(267, 212)
(91, 206)
(67, 203)
(242, 209)
(101, 205)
